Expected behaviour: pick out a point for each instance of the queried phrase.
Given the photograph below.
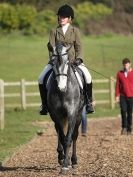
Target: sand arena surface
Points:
(103, 153)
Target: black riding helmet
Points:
(66, 11)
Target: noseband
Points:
(61, 74)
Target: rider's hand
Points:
(78, 61)
(51, 62)
(50, 48)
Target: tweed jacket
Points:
(72, 37)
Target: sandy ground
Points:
(103, 153)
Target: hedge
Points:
(87, 11)
(28, 20)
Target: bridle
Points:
(59, 57)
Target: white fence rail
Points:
(23, 94)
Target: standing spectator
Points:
(84, 122)
(124, 95)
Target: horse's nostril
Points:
(62, 89)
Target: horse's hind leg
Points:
(74, 156)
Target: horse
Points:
(65, 102)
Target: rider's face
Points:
(63, 20)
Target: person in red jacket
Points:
(124, 95)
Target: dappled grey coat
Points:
(72, 37)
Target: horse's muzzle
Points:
(63, 90)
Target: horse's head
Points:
(60, 65)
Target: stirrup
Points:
(43, 110)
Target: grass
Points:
(20, 127)
(25, 57)
(104, 111)
(22, 57)
(104, 54)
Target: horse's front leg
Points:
(67, 145)
(66, 161)
(59, 147)
(60, 152)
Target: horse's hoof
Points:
(60, 162)
(75, 172)
(69, 166)
(75, 166)
(64, 170)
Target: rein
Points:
(107, 77)
(59, 55)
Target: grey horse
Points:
(65, 104)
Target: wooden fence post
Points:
(112, 93)
(2, 107)
(23, 94)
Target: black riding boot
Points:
(43, 94)
(89, 107)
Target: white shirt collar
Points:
(126, 72)
(65, 27)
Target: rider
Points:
(67, 34)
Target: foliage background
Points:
(92, 16)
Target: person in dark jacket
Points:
(124, 95)
(69, 35)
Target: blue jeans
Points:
(84, 121)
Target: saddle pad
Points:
(79, 79)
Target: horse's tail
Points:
(65, 126)
(62, 126)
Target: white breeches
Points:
(85, 71)
(43, 73)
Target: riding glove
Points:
(78, 61)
